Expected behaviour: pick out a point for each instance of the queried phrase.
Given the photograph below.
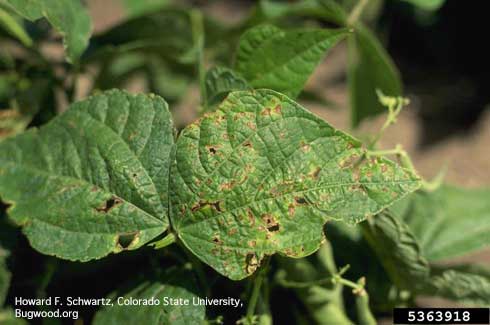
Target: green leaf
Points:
(12, 122)
(262, 175)
(404, 260)
(12, 26)
(449, 222)
(220, 81)
(4, 276)
(269, 57)
(29, 9)
(369, 68)
(94, 178)
(327, 10)
(430, 5)
(141, 7)
(176, 284)
(173, 40)
(467, 284)
(68, 17)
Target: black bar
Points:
(441, 316)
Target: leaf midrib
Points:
(332, 185)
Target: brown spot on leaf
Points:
(266, 112)
(251, 263)
(232, 231)
(247, 144)
(291, 210)
(300, 200)
(349, 161)
(252, 243)
(305, 146)
(201, 204)
(251, 217)
(212, 149)
(271, 223)
(315, 173)
(278, 109)
(227, 186)
(251, 126)
(216, 240)
(109, 204)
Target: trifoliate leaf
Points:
(262, 175)
(177, 285)
(68, 17)
(269, 57)
(94, 180)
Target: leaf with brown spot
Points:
(282, 180)
(92, 180)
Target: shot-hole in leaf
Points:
(276, 174)
(95, 179)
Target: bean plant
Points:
(257, 199)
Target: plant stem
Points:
(198, 38)
(165, 241)
(356, 12)
(254, 297)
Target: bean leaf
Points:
(68, 17)
(220, 81)
(424, 223)
(176, 284)
(94, 180)
(370, 68)
(449, 222)
(262, 175)
(269, 57)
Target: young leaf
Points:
(92, 179)
(449, 222)
(177, 284)
(269, 57)
(262, 175)
(68, 17)
(220, 81)
(369, 68)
